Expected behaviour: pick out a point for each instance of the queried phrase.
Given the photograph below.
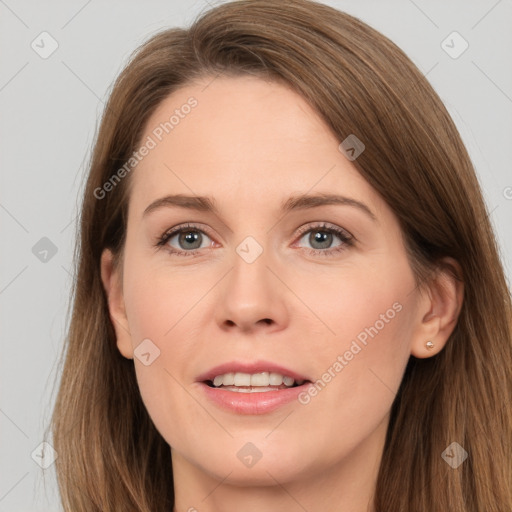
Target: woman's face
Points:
(292, 266)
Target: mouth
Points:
(251, 388)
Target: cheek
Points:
(362, 302)
(158, 302)
(153, 307)
(376, 326)
(361, 359)
(358, 373)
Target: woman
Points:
(217, 357)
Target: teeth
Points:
(229, 379)
(242, 379)
(259, 379)
(288, 381)
(262, 379)
(249, 390)
(275, 379)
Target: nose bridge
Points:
(250, 276)
(250, 249)
(251, 292)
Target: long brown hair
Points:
(110, 456)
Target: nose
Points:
(252, 297)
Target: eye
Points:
(188, 237)
(321, 238)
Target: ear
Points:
(112, 282)
(439, 309)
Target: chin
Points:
(248, 465)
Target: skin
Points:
(250, 144)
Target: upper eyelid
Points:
(188, 225)
(323, 225)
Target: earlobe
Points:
(441, 306)
(111, 280)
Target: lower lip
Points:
(252, 403)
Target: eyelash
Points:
(346, 239)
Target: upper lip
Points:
(249, 367)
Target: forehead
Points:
(238, 115)
(243, 136)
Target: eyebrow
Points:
(300, 202)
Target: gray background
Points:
(50, 109)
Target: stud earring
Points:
(429, 345)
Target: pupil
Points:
(321, 237)
(191, 237)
